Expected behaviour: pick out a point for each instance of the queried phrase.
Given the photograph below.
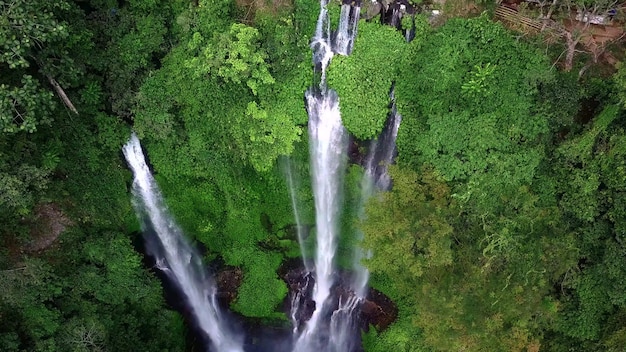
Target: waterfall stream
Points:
(328, 148)
(381, 152)
(334, 323)
(328, 145)
(175, 256)
(338, 330)
(346, 32)
(291, 183)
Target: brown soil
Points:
(459, 8)
(272, 7)
(49, 223)
(596, 37)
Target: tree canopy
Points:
(504, 229)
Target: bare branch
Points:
(62, 94)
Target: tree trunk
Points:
(571, 50)
(62, 94)
(546, 20)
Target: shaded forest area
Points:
(505, 229)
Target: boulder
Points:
(378, 310)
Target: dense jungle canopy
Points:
(505, 229)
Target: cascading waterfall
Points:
(181, 262)
(381, 152)
(328, 146)
(344, 324)
(322, 45)
(347, 28)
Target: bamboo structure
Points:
(522, 23)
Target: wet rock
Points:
(228, 281)
(300, 284)
(370, 9)
(378, 310)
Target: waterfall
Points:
(321, 44)
(346, 31)
(181, 262)
(381, 152)
(296, 212)
(328, 147)
(344, 324)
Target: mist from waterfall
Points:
(175, 256)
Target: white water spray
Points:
(347, 28)
(182, 263)
(344, 329)
(328, 146)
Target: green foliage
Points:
(620, 82)
(478, 80)
(88, 290)
(403, 245)
(590, 172)
(262, 291)
(19, 186)
(131, 39)
(463, 275)
(363, 79)
(467, 108)
(227, 119)
(305, 15)
(269, 139)
(26, 26)
(287, 49)
(401, 336)
(559, 101)
(241, 217)
(583, 180)
(24, 107)
(235, 56)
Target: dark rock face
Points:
(371, 9)
(228, 280)
(377, 309)
(300, 284)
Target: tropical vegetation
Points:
(505, 229)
